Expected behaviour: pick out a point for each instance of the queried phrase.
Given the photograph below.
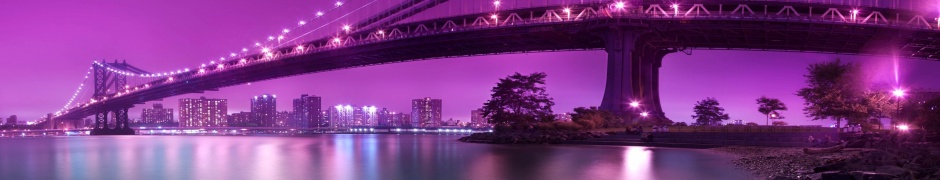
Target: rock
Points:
(871, 175)
(836, 176)
(830, 167)
(892, 170)
(783, 178)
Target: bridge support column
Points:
(632, 76)
(121, 122)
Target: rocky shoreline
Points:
(850, 163)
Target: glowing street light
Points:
(634, 104)
(319, 13)
(644, 114)
(496, 4)
(301, 23)
(904, 127)
(898, 93)
(336, 40)
(285, 30)
(346, 28)
(339, 3)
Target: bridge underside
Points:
(635, 48)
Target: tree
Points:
(928, 115)
(595, 118)
(768, 106)
(837, 91)
(780, 123)
(680, 124)
(519, 100)
(708, 113)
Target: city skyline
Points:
(575, 79)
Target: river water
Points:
(343, 156)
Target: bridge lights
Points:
(336, 40)
(644, 114)
(347, 28)
(675, 8)
(300, 47)
(567, 12)
(285, 30)
(264, 50)
(620, 5)
(167, 79)
(257, 44)
(339, 3)
(496, 5)
(231, 54)
(301, 23)
(319, 13)
(635, 104)
(854, 14)
(270, 38)
(202, 71)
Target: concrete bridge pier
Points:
(633, 75)
(121, 122)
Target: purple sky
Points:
(47, 47)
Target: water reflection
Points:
(342, 156)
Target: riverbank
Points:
(530, 137)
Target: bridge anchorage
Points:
(112, 77)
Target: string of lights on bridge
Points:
(266, 49)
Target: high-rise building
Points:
(426, 112)
(325, 118)
(281, 118)
(156, 115)
(307, 112)
(477, 119)
(240, 119)
(402, 120)
(11, 120)
(385, 118)
(369, 116)
(203, 112)
(341, 116)
(264, 110)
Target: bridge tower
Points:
(105, 81)
(632, 88)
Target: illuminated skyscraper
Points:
(264, 110)
(203, 112)
(341, 116)
(156, 115)
(307, 112)
(426, 112)
(281, 118)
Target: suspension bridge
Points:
(636, 34)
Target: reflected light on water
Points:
(637, 162)
(342, 156)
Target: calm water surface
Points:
(343, 156)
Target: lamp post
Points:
(898, 93)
